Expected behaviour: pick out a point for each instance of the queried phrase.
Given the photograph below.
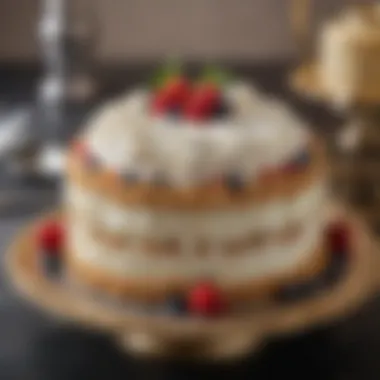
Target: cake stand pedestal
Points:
(357, 146)
(228, 337)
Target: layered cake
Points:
(192, 181)
(349, 54)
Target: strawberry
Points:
(206, 299)
(203, 103)
(338, 237)
(177, 304)
(173, 94)
(179, 90)
(159, 104)
(50, 237)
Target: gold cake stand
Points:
(227, 337)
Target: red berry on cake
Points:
(50, 242)
(159, 104)
(195, 111)
(172, 95)
(206, 300)
(178, 89)
(338, 237)
(203, 103)
(50, 237)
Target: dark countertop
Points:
(34, 346)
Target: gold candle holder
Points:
(354, 158)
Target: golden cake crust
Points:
(213, 195)
(148, 290)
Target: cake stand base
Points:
(227, 337)
(226, 347)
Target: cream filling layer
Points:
(131, 264)
(231, 223)
(216, 227)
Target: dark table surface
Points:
(34, 346)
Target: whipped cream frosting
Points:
(260, 133)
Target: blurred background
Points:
(141, 30)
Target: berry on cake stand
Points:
(49, 240)
(206, 300)
(338, 244)
(338, 237)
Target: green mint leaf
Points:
(169, 70)
(216, 75)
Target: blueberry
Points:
(302, 159)
(234, 182)
(316, 284)
(177, 304)
(130, 177)
(291, 292)
(174, 112)
(160, 180)
(335, 268)
(300, 290)
(308, 288)
(222, 110)
(52, 264)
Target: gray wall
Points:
(144, 29)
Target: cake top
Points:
(185, 131)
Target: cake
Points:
(349, 54)
(194, 181)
